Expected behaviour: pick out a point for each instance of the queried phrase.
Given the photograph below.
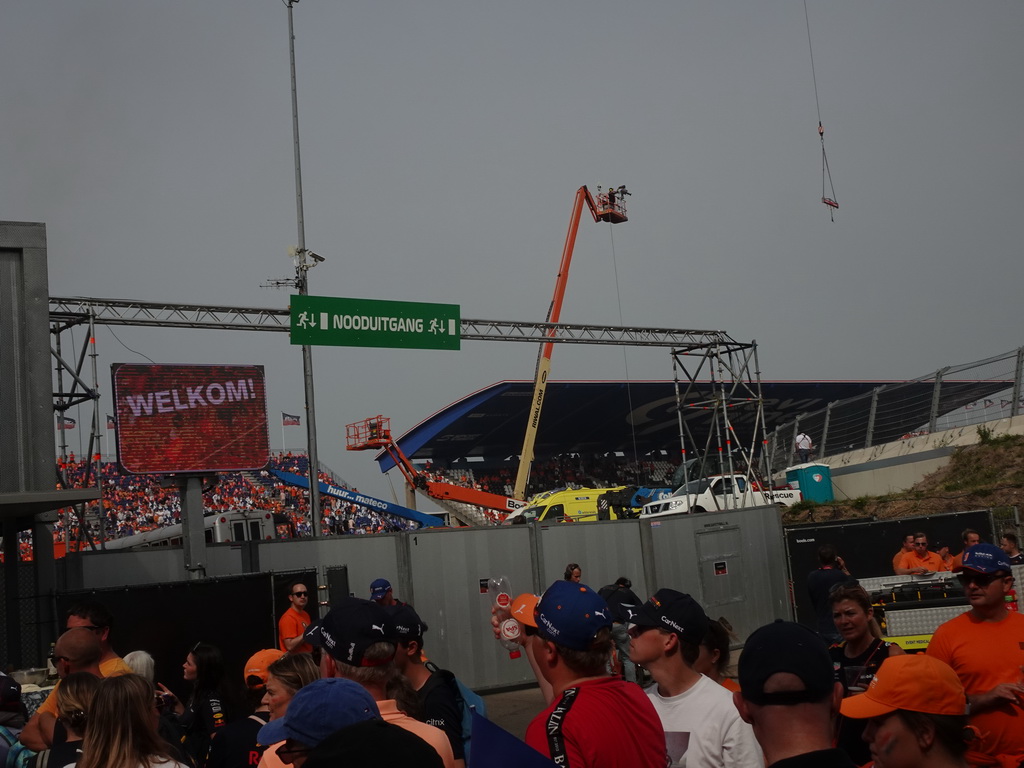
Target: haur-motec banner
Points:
(190, 418)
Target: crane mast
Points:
(609, 206)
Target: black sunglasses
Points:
(299, 594)
(54, 659)
(980, 579)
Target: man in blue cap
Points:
(595, 720)
(985, 647)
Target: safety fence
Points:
(951, 397)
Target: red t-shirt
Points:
(602, 723)
(984, 654)
(292, 624)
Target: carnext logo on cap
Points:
(551, 629)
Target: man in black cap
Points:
(702, 726)
(790, 696)
(437, 699)
(359, 641)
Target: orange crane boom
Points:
(609, 207)
(375, 433)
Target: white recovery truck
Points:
(709, 494)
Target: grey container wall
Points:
(732, 562)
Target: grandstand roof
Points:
(597, 417)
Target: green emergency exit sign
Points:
(331, 321)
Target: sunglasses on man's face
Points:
(299, 594)
(981, 580)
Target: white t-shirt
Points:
(703, 728)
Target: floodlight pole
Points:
(302, 267)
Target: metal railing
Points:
(959, 396)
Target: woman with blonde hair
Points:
(75, 696)
(285, 677)
(122, 729)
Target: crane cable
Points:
(831, 202)
(625, 361)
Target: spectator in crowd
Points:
(595, 721)
(916, 715)
(856, 658)
(318, 710)
(1008, 543)
(983, 646)
(211, 704)
(921, 560)
(437, 700)
(702, 726)
(122, 731)
(573, 573)
(12, 714)
(713, 659)
(908, 546)
(969, 537)
(789, 694)
(621, 598)
(141, 663)
(830, 573)
(292, 626)
(285, 677)
(77, 650)
(373, 744)
(236, 745)
(359, 640)
(74, 704)
(382, 593)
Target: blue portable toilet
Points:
(813, 480)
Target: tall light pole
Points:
(304, 260)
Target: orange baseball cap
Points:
(914, 682)
(523, 608)
(257, 664)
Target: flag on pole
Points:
(111, 422)
(65, 422)
(287, 420)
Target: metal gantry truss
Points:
(66, 312)
(724, 382)
(734, 386)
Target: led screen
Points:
(190, 418)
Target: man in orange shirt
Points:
(908, 546)
(921, 561)
(985, 647)
(292, 626)
(970, 537)
(94, 617)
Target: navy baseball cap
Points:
(379, 588)
(674, 612)
(350, 627)
(408, 624)
(986, 558)
(319, 709)
(571, 614)
(785, 646)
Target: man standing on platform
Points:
(292, 626)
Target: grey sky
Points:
(443, 142)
